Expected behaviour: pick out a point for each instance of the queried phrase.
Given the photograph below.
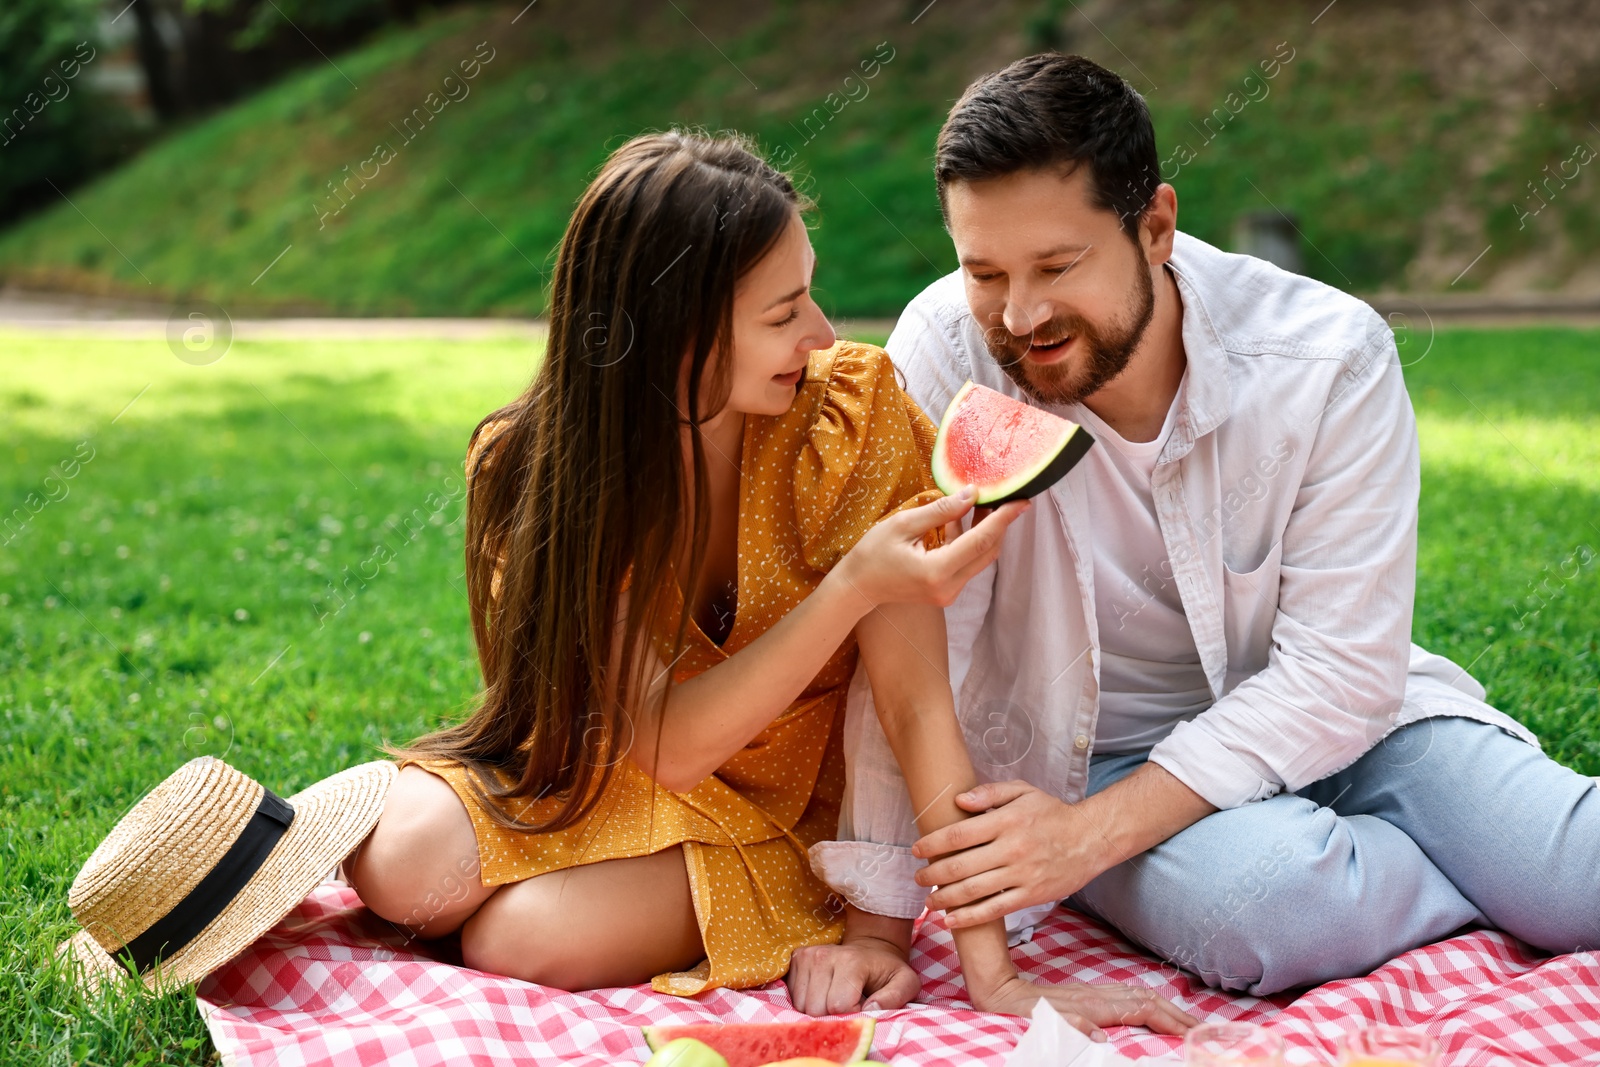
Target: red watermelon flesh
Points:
(754, 1044)
(1008, 449)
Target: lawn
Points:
(175, 594)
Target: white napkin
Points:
(1051, 1041)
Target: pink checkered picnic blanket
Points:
(333, 986)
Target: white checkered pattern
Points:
(332, 986)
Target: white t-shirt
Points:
(1151, 678)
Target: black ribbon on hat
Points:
(184, 921)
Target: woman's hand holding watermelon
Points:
(890, 565)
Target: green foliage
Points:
(1042, 29)
(1537, 190)
(269, 20)
(1349, 134)
(1350, 154)
(494, 176)
(53, 128)
(174, 600)
(199, 543)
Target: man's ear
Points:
(1159, 223)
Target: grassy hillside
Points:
(1401, 153)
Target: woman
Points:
(672, 537)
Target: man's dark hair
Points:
(1052, 110)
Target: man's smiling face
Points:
(1062, 293)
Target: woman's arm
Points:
(903, 648)
(907, 660)
(717, 712)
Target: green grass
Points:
(1510, 434)
(139, 612)
(1351, 134)
(168, 604)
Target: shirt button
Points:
(1080, 742)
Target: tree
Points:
(264, 22)
(201, 54)
(55, 129)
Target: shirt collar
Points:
(1207, 398)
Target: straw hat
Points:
(206, 863)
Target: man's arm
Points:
(1341, 633)
(1335, 676)
(1031, 847)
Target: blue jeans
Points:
(1446, 822)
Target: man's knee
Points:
(1260, 900)
(1514, 830)
(1201, 898)
(1265, 898)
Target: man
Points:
(1188, 680)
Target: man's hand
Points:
(1029, 847)
(1026, 848)
(834, 979)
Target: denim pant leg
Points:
(1276, 894)
(1515, 831)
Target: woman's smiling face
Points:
(776, 326)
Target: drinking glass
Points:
(1388, 1046)
(1232, 1045)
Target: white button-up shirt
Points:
(1287, 500)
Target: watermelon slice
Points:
(754, 1044)
(1008, 449)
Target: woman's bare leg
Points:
(616, 922)
(419, 866)
(612, 923)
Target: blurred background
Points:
(1434, 146)
(264, 264)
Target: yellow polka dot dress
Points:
(851, 450)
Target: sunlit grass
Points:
(177, 593)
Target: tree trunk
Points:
(155, 61)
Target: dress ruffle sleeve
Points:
(867, 454)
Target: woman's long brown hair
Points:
(585, 475)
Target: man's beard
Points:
(1103, 356)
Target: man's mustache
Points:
(1001, 341)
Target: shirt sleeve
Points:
(934, 364)
(867, 454)
(1336, 669)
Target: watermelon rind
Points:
(1076, 448)
(1028, 482)
(658, 1036)
(865, 1045)
(686, 1052)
